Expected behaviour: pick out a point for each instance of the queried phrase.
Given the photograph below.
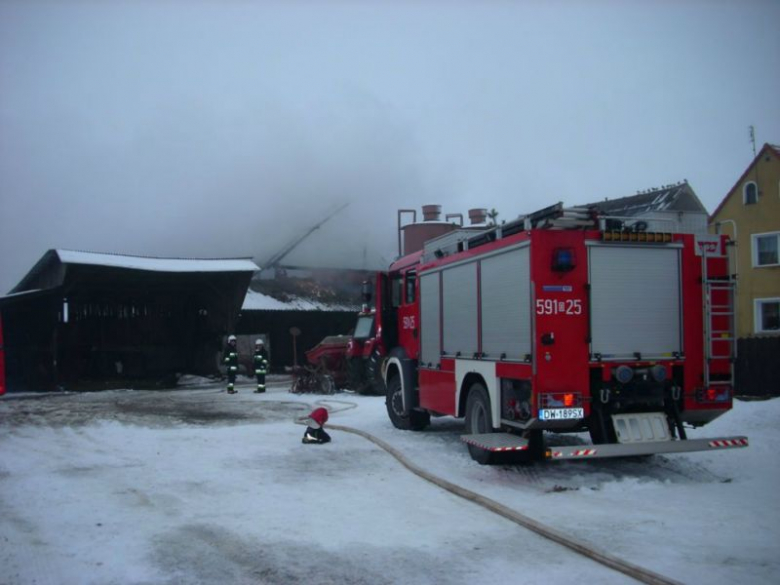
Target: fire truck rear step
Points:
(639, 449)
(644, 427)
(506, 442)
(496, 442)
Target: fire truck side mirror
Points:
(366, 291)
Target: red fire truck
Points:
(560, 321)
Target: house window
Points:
(750, 193)
(765, 249)
(767, 315)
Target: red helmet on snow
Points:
(319, 416)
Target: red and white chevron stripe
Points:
(730, 443)
(577, 453)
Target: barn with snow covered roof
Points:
(86, 320)
(272, 318)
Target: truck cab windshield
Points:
(365, 327)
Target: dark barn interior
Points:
(314, 326)
(91, 321)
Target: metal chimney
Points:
(477, 216)
(416, 234)
(431, 212)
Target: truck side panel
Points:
(560, 306)
(635, 301)
(437, 389)
(505, 287)
(460, 310)
(430, 320)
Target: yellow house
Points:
(750, 214)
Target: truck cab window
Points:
(395, 291)
(365, 327)
(411, 280)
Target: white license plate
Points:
(560, 413)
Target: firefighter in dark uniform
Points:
(231, 363)
(261, 365)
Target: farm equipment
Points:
(326, 370)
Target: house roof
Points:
(771, 148)
(678, 197)
(52, 260)
(157, 264)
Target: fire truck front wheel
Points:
(479, 421)
(374, 384)
(416, 420)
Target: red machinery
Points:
(554, 323)
(326, 370)
(366, 350)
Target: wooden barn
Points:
(83, 320)
(311, 319)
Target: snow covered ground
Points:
(197, 486)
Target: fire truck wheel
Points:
(395, 405)
(600, 427)
(356, 372)
(415, 420)
(479, 421)
(374, 384)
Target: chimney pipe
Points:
(449, 216)
(477, 216)
(431, 212)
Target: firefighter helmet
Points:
(318, 416)
(259, 342)
(231, 338)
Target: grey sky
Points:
(223, 128)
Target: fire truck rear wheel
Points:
(479, 421)
(600, 427)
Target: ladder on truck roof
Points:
(553, 217)
(720, 343)
(559, 217)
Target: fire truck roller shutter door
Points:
(459, 296)
(635, 300)
(430, 350)
(506, 305)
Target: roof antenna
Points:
(752, 130)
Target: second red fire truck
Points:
(560, 321)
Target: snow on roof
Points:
(158, 264)
(12, 296)
(255, 301)
(677, 197)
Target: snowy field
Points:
(197, 486)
